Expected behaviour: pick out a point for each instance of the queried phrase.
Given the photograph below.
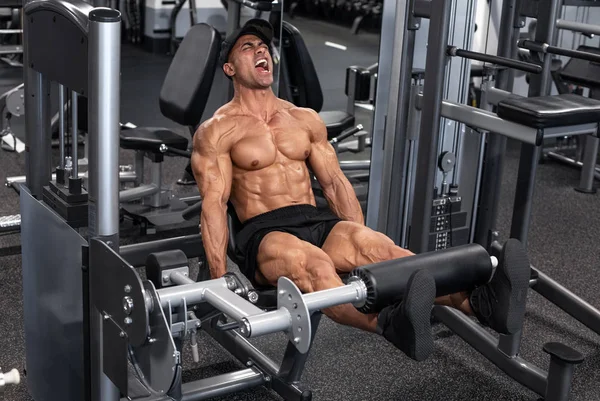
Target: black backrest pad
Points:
(186, 87)
(583, 72)
(302, 78)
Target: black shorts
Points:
(305, 222)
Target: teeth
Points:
(262, 62)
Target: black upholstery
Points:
(302, 75)
(234, 226)
(336, 122)
(299, 83)
(184, 91)
(550, 111)
(149, 139)
(582, 72)
(186, 87)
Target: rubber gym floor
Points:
(344, 363)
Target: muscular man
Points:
(256, 153)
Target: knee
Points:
(396, 252)
(312, 272)
(377, 247)
(321, 269)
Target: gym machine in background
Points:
(579, 76)
(587, 110)
(529, 120)
(12, 104)
(11, 42)
(358, 14)
(403, 51)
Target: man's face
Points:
(250, 63)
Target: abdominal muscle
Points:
(283, 183)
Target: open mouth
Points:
(262, 65)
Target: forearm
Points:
(342, 199)
(213, 225)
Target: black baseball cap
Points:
(259, 27)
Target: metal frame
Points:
(429, 137)
(495, 149)
(488, 121)
(391, 109)
(218, 295)
(553, 384)
(90, 39)
(539, 85)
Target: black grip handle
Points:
(192, 211)
(559, 51)
(346, 134)
(502, 61)
(183, 153)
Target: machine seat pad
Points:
(336, 122)
(150, 139)
(550, 111)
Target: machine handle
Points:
(184, 153)
(192, 211)
(546, 48)
(346, 134)
(488, 58)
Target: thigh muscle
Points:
(350, 245)
(282, 254)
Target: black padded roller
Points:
(456, 269)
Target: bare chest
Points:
(262, 145)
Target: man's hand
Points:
(325, 165)
(212, 167)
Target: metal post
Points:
(539, 85)
(156, 171)
(233, 23)
(393, 32)
(351, 86)
(139, 167)
(38, 158)
(430, 122)
(496, 146)
(103, 111)
(233, 16)
(397, 193)
(61, 125)
(560, 373)
(104, 52)
(588, 169)
(74, 129)
(193, 13)
(293, 361)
